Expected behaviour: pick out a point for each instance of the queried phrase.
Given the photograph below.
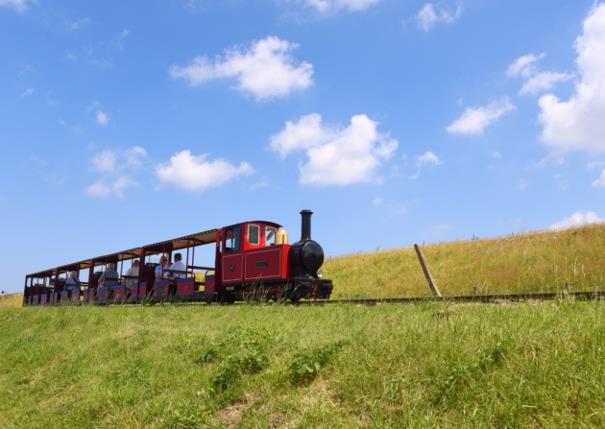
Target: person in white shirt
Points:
(132, 275)
(178, 268)
(161, 267)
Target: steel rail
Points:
(541, 296)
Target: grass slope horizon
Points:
(543, 261)
(540, 261)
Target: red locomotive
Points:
(253, 262)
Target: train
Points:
(253, 261)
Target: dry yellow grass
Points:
(12, 300)
(547, 261)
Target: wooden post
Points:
(427, 272)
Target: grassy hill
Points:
(536, 262)
(430, 365)
(259, 366)
(275, 366)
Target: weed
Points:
(460, 374)
(225, 377)
(206, 356)
(307, 363)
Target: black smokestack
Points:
(305, 233)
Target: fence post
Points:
(427, 272)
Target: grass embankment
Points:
(12, 300)
(276, 366)
(571, 259)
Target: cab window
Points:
(270, 236)
(253, 234)
(232, 240)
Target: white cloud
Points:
(135, 156)
(535, 81)
(19, 5)
(524, 66)
(103, 188)
(116, 168)
(475, 120)
(104, 161)
(428, 158)
(305, 133)
(377, 201)
(265, 69)
(543, 81)
(197, 173)
(102, 118)
(577, 219)
(335, 156)
(334, 6)
(577, 124)
(432, 14)
(108, 160)
(600, 181)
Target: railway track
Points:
(485, 299)
(494, 299)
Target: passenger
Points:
(110, 276)
(132, 275)
(161, 268)
(72, 283)
(178, 268)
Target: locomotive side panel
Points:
(232, 268)
(264, 264)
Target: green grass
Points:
(571, 259)
(430, 365)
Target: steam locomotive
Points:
(253, 262)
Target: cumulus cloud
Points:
(428, 159)
(102, 118)
(335, 156)
(534, 80)
(18, 5)
(334, 6)
(104, 161)
(577, 219)
(103, 188)
(116, 168)
(475, 120)
(198, 173)
(266, 69)
(432, 14)
(577, 124)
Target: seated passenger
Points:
(72, 283)
(178, 268)
(110, 276)
(161, 268)
(132, 275)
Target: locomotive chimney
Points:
(305, 233)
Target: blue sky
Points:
(124, 123)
